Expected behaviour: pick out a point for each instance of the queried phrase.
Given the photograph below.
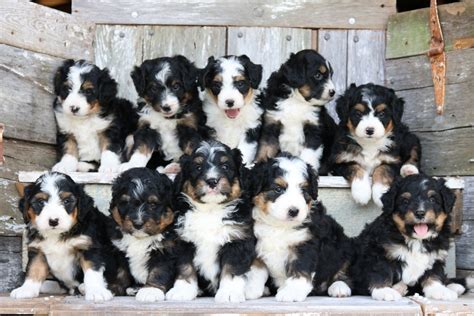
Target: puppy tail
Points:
(456, 284)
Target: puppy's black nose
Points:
(212, 182)
(137, 225)
(293, 212)
(74, 109)
(166, 108)
(332, 93)
(420, 214)
(53, 222)
(369, 131)
(230, 103)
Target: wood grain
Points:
(468, 200)
(40, 29)
(464, 250)
(10, 263)
(269, 47)
(365, 14)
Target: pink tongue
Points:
(232, 113)
(421, 229)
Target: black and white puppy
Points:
(93, 123)
(230, 102)
(67, 238)
(302, 249)
(403, 251)
(214, 222)
(171, 120)
(141, 206)
(372, 141)
(295, 119)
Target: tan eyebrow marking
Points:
(406, 195)
(380, 107)
(323, 69)
(359, 107)
(281, 182)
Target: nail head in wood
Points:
(327, 36)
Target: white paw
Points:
(254, 291)
(173, 167)
(458, 288)
(150, 294)
(67, 164)
(231, 290)
(132, 291)
(294, 290)
(339, 289)
(378, 189)
(125, 166)
(255, 283)
(182, 291)
(26, 291)
(438, 291)
(408, 169)
(82, 289)
(98, 294)
(361, 191)
(386, 294)
(109, 162)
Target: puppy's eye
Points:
(240, 84)
(89, 92)
(152, 204)
(358, 114)
(432, 199)
(381, 114)
(153, 88)
(176, 86)
(39, 203)
(225, 167)
(216, 84)
(278, 189)
(405, 202)
(68, 202)
(198, 167)
(318, 76)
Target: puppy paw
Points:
(386, 294)
(378, 189)
(132, 291)
(66, 165)
(458, 288)
(229, 295)
(109, 162)
(438, 291)
(294, 290)
(111, 168)
(150, 294)
(361, 191)
(339, 289)
(408, 169)
(254, 292)
(98, 294)
(182, 291)
(25, 291)
(173, 167)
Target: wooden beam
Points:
(464, 242)
(40, 29)
(10, 264)
(363, 14)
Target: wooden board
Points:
(464, 243)
(196, 43)
(468, 202)
(40, 29)
(10, 263)
(26, 90)
(408, 33)
(267, 46)
(463, 306)
(365, 14)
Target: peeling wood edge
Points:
(107, 178)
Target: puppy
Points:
(230, 102)
(404, 250)
(302, 249)
(171, 120)
(295, 119)
(67, 237)
(215, 224)
(141, 206)
(372, 141)
(93, 123)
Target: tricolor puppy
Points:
(230, 102)
(372, 141)
(404, 250)
(302, 249)
(67, 238)
(141, 206)
(214, 222)
(93, 123)
(171, 119)
(295, 119)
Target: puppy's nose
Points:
(420, 214)
(166, 108)
(229, 103)
(369, 131)
(212, 182)
(53, 222)
(293, 212)
(74, 109)
(332, 93)
(137, 225)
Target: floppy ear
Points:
(203, 74)
(84, 204)
(448, 196)
(237, 155)
(138, 77)
(294, 71)
(313, 182)
(253, 71)
(397, 107)
(185, 164)
(61, 75)
(107, 86)
(23, 204)
(342, 104)
(388, 198)
(256, 177)
(191, 73)
(166, 185)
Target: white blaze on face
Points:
(295, 175)
(75, 100)
(231, 68)
(168, 99)
(369, 120)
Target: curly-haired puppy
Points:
(295, 119)
(404, 250)
(141, 206)
(303, 249)
(372, 141)
(67, 238)
(171, 119)
(93, 123)
(215, 223)
(230, 102)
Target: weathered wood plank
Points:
(38, 28)
(468, 199)
(408, 33)
(332, 44)
(415, 72)
(196, 43)
(119, 48)
(464, 246)
(11, 221)
(37, 306)
(26, 90)
(10, 263)
(267, 46)
(365, 56)
(420, 110)
(365, 14)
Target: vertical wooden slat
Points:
(119, 48)
(365, 56)
(196, 43)
(267, 46)
(314, 39)
(332, 44)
